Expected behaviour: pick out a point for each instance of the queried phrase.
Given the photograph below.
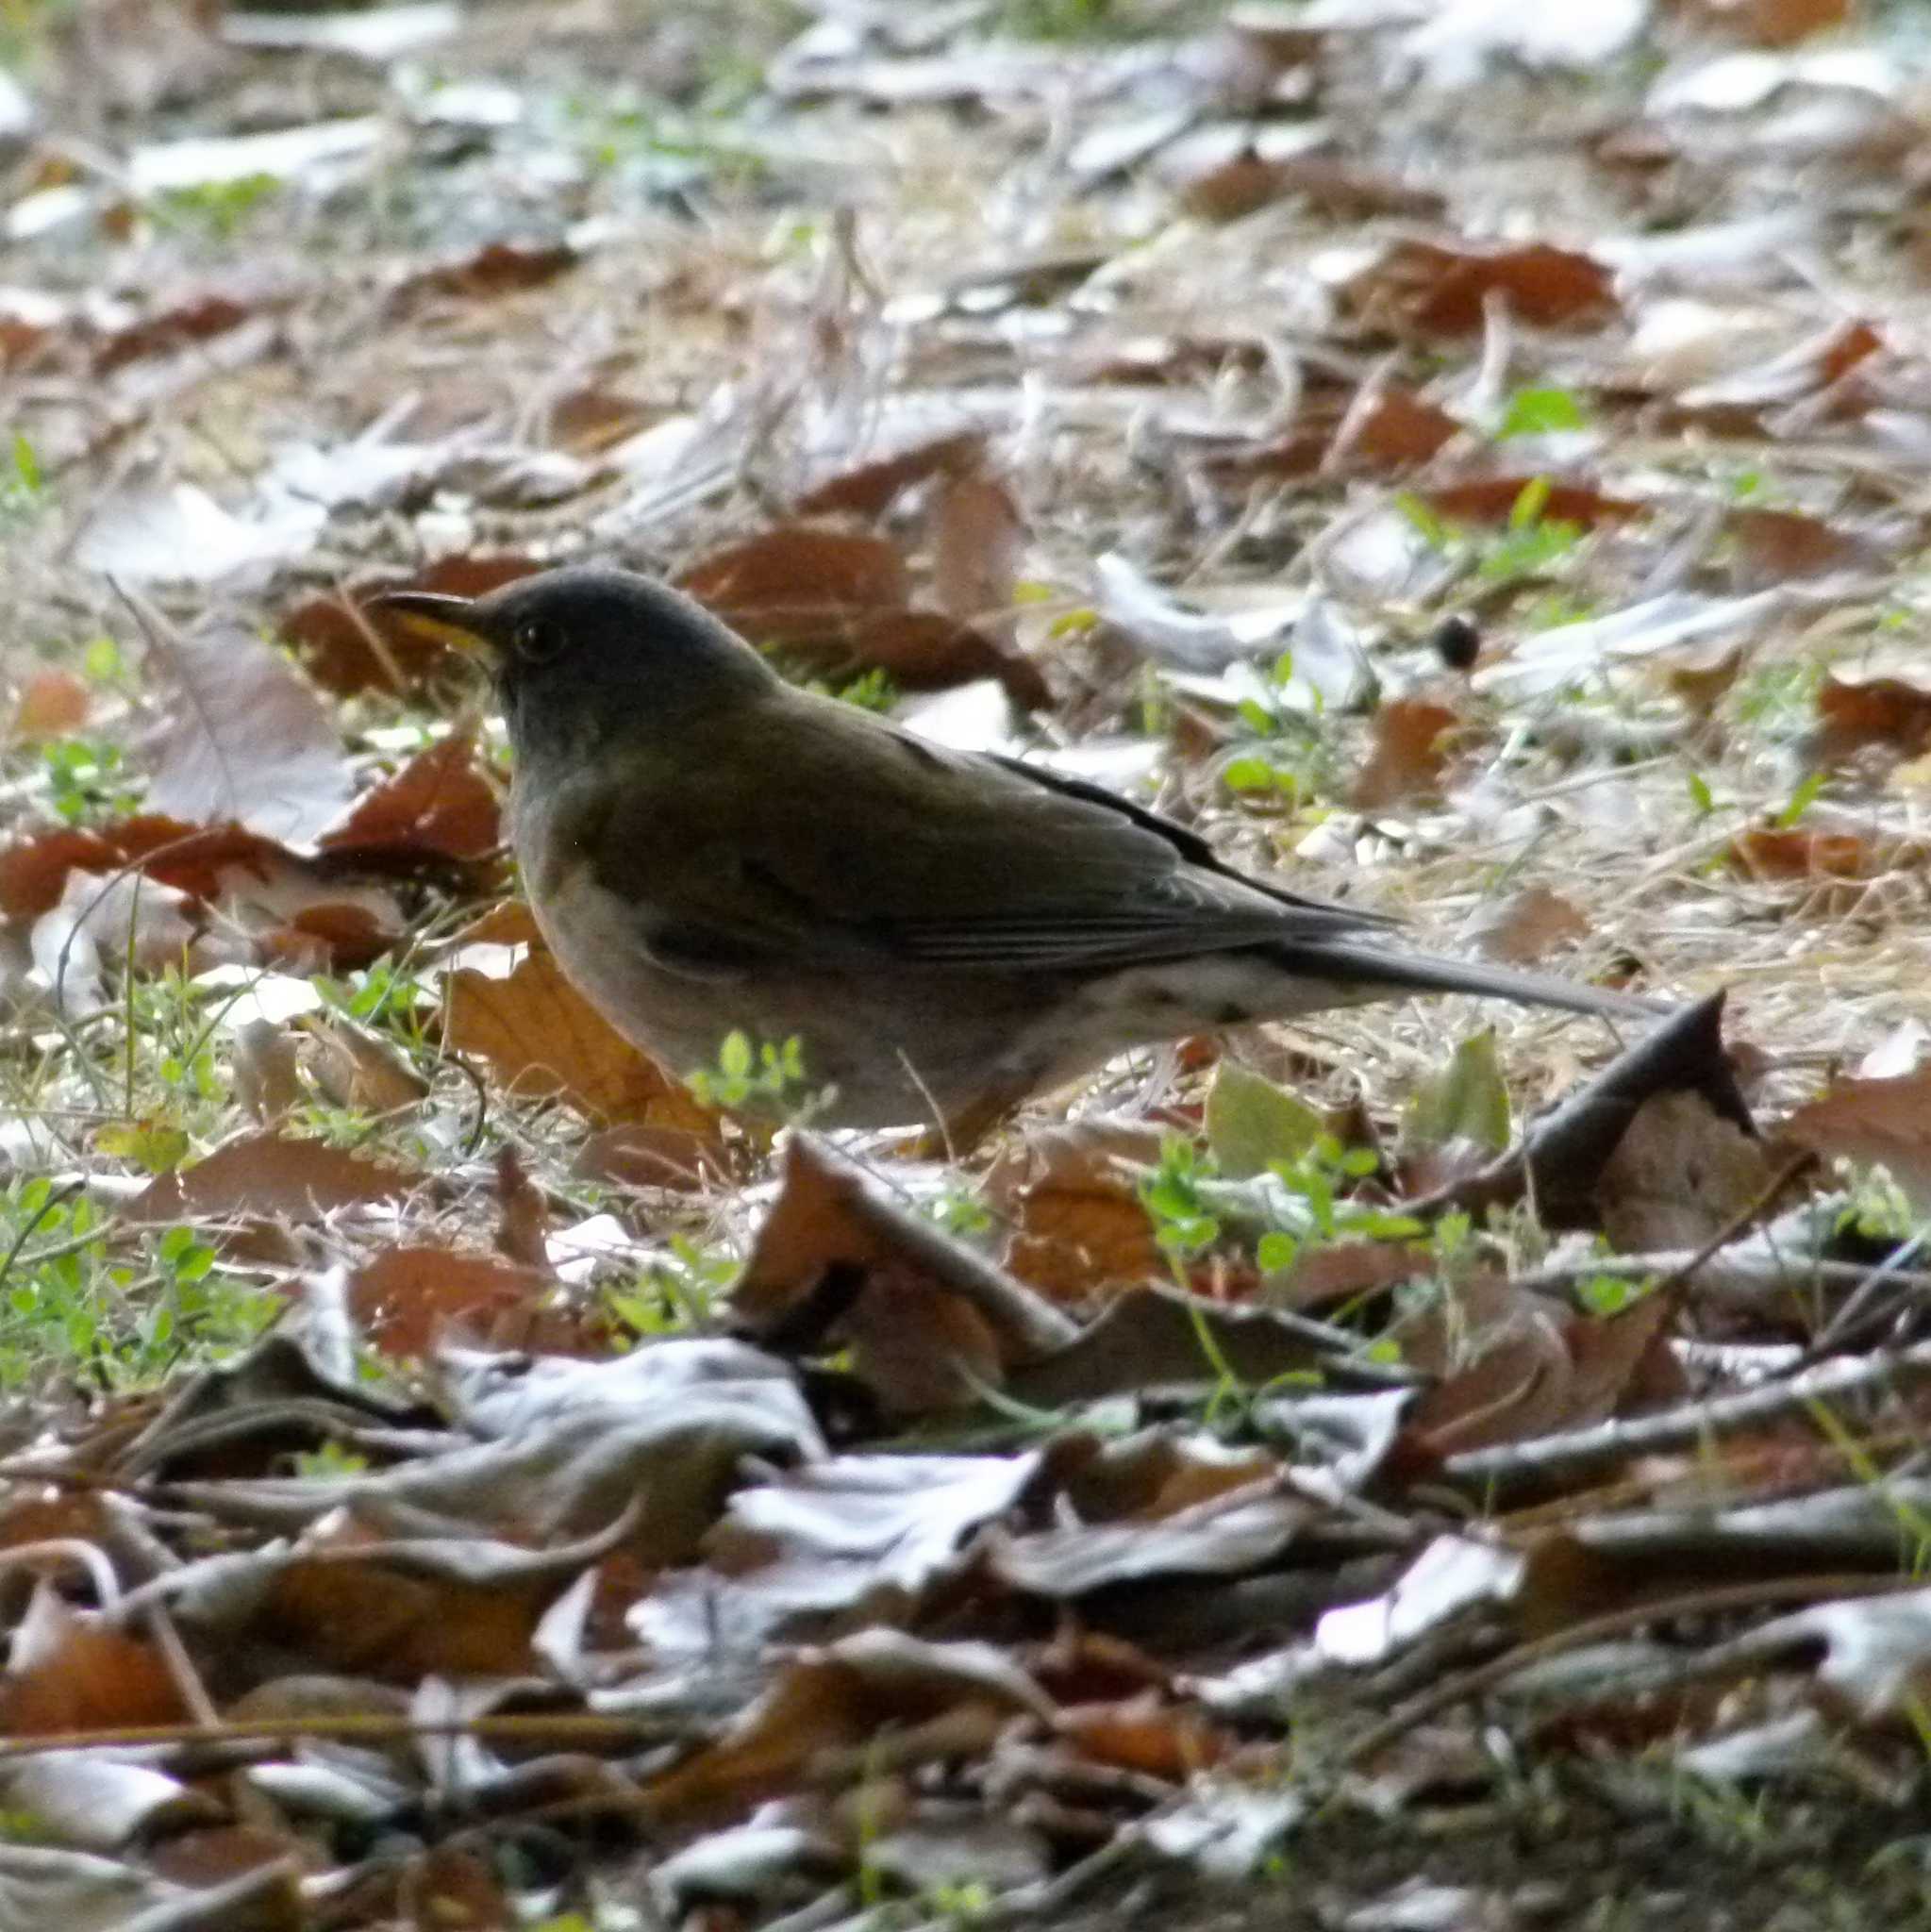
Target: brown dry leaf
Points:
(52, 704)
(267, 1073)
(1797, 852)
(1877, 711)
(70, 1671)
(926, 651)
(799, 582)
(1775, 545)
(407, 1300)
(1396, 431)
(930, 1320)
(451, 1889)
(438, 803)
(247, 741)
(348, 648)
(1144, 1734)
(1530, 924)
(590, 420)
(1884, 1121)
(1346, 191)
(636, 1154)
(1769, 23)
(1411, 755)
(199, 319)
(1423, 286)
(500, 268)
(1680, 1176)
(544, 1040)
(1078, 1224)
(356, 1068)
(1701, 686)
(273, 1176)
(395, 1625)
(978, 537)
(841, 602)
(1516, 1383)
(1493, 500)
(868, 490)
(836, 1708)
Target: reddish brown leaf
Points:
(71, 1672)
(977, 538)
(1493, 500)
(438, 803)
(1436, 291)
(1529, 926)
(1775, 545)
(791, 581)
(1410, 753)
(1878, 711)
(273, 1176)
(501, 268)
(1791, 852)
(868, 490)
(348, 648)
(406, 1299)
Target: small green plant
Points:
(87, 780)
(1291, 756)
(748, 1074)
(1531, 545)
(329, 1463)
(1800, 801)
(1172, 1193)
(23, 491)
(216, 207)
(1540, 412)
(676, 1292)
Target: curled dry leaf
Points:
(841, 602)
(545, 1041)
(70, 1671)
(1804, 852)
(930, 1320)
(1879, 711)
(356, 1068)
(978, 537)
(1494, 500)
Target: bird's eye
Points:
(535, 640)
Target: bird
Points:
(708, 849)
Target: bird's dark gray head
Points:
(586, 649)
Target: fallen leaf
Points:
(1885, 1121)
(1077, 1226)
(407, 1300)
(246, 741)
(977, 538)
(1877, 711)
(270, 1176)
(1776, 546)
(1409, 758)
(70, 1670)
(1798, 852)
(1530, 924)
(52, 704)
(1425, 288)
(438, 803)
(544, 1040)
(1679, 1177)
(1494, 501)
(348, 647)
(498, 268)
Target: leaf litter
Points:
(455, 1472)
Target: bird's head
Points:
(581, 651)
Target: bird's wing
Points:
(860, 840)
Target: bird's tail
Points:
(1371, 964)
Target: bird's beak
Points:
(441, 620)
